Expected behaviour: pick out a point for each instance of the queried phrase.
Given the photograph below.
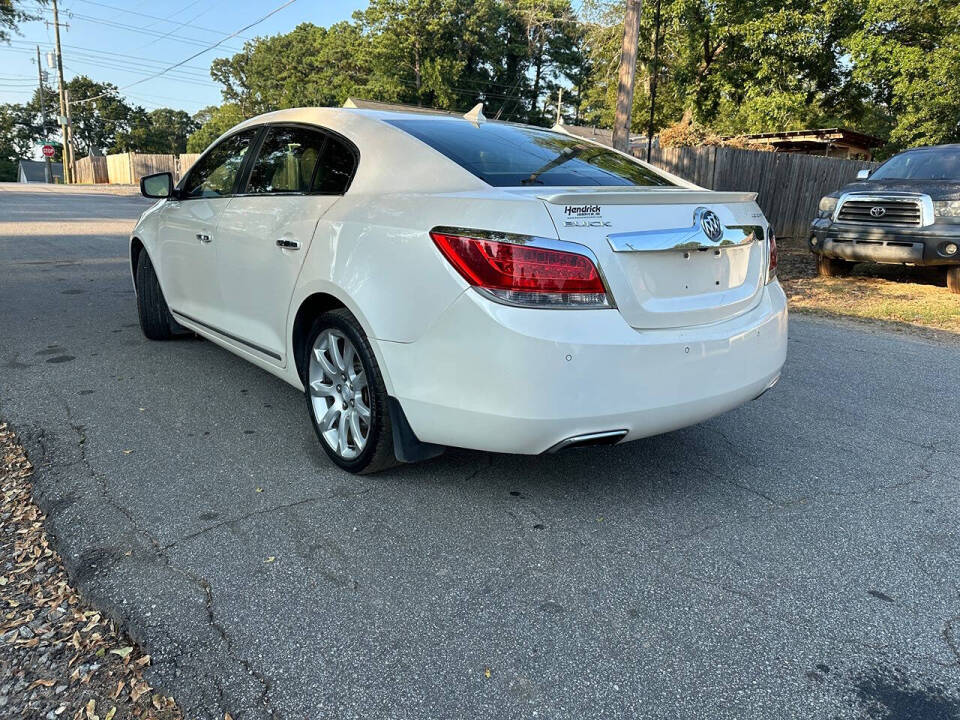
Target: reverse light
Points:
(519, 270)
(772, 254)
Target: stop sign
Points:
(48, 150)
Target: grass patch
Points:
(877, 299)
(886, 293)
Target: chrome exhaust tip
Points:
(610, 437)
(768, 387)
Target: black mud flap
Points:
(406, 445)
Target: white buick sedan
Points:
(433, 280)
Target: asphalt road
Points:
(796, 558)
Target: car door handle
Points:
(288, 244)
(204, 238)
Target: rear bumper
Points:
(506, 379)
(859, 243)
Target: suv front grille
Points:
(894, 212)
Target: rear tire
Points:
(953, 279)
(156, 321)
(346, 395)
(831, 267)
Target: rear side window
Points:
(287, 161)
(215, 174)
(505, 155)
(335, 169)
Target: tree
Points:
(553, 40)
(98, 113)
(310, 65)
(906, 58)
(14, 12)
(213, 122)
(21, 130)
(163, 131)
(737, 67)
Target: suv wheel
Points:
(953, 279)
(346, 397)
(831, 267)
(156, 321)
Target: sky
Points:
(123, 41)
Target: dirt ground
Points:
(909, 299)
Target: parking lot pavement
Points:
(796, 558)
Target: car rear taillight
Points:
(521, 271)
(772, 248)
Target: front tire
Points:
(156, 321)
(953, 279)
(831, 267)
(346, 396)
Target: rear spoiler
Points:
(649, 197)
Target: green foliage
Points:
(906, 57)
(159, 131)
(14, 12)
(102, 122)
(437, 53)
(98, 114)
(213, 122)
(885, 67)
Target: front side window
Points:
(286, 162)
(505, 155)
(215, 174)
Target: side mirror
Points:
(863, 174)
(159, 185)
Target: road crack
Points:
(198, 581)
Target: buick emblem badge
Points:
(710, 224)
(878, 212)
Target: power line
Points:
(154, 17)
(126, 56)
(195, 55)
(216, 44)
(142, 31)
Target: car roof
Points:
(927, 148)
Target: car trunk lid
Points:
(672, 257)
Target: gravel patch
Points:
(59, 657)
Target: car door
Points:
(186, 241)
(265, 232)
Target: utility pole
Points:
(47, 172)
(654, 75)
(559, 103)
(627, 74)
(69, 138)
(64, 111)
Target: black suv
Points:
(907, 211)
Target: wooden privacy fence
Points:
(91, 170)
(788, 185)
(128, 168)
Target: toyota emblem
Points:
(710, 224)
(878, 211)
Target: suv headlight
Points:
(827, 206)
(946, 208)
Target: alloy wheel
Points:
(339, 394)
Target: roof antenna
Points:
(476, 114)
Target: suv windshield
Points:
(506, 155)
(928, 164)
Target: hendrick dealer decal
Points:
(584, 216)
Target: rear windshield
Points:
(932, 164)
(505, 155)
